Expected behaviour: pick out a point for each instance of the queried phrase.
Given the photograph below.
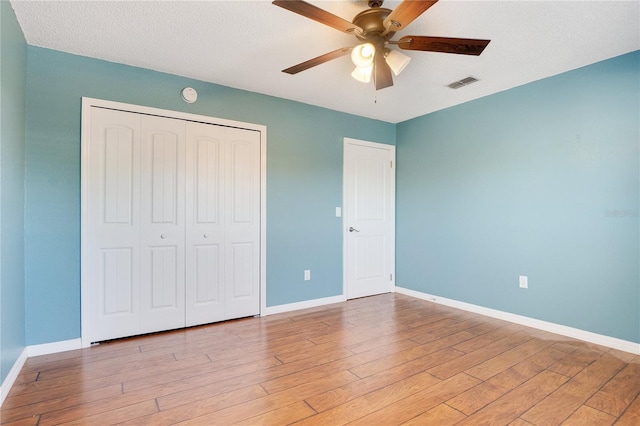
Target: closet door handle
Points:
(352, 229)
(163, 236)
(206, 235)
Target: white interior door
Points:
(369, 218)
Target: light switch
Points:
(523, 281)
(338, 211)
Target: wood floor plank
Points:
(439, 415)
(96, 372)
(31, 421)
(343, 394)
(28, 410)
(619, 392)
(353, 335)
(348, 363)
(272, 402)
(200, 407)
(479, 341)
(560, 404)
(281, 416)
(254, 350)
(46, 393)
(442, 328)
(520, 422)
(509, 407)
(419, 402)
(386, 362)
(374, 343)
(589, 416)
(408, 355)
(204, 386)
(474, 399)
(373, 401)
(84, 415)
(199, 373)
(576, 361)
(507, 359)
(471, 359)
(631, 416)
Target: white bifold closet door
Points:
(223, 223)
(173, 232)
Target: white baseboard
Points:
(55, 347)
(13, 375)
(303, 305)
(30, 351)
(576, 333)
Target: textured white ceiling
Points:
(246, 44)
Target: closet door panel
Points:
(162, 282)
(205, 182)
(242, 246)
(112, 266)
(117, 278)
(240, 270)
(118, 175)
(164, 278)
(207, 175)
(207, 275)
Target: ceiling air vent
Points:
(461, 83)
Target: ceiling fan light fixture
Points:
(397, 61)
(375, 29)
(363, 54)
(363, 74)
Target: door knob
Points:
(352, 229)
(206, 235)
(163, 236)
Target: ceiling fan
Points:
(374, 28)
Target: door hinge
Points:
(390, 277)
(391, 164)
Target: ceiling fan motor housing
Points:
(371, 22)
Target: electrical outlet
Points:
(307, 274)
(523, 281)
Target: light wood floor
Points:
(382, 360)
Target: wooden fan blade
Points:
(318, 60)
(461, 46)
(320, 15)
(381, 71)
(405, 13)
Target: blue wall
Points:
(304, 179)
(541, 180)
(13, 68)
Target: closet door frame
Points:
(87, 104)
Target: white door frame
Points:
(87, 104)
(345, 212)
